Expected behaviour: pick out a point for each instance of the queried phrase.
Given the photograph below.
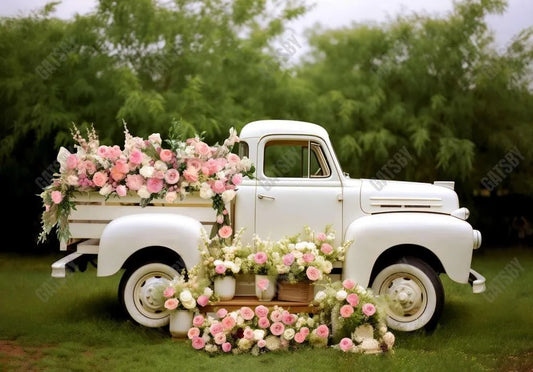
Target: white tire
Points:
(136, 293)
(415, 293)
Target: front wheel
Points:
(137, 293)
(415, 292)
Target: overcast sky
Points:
(333, 13)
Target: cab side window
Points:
(294, 159)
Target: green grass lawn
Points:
(76, 324)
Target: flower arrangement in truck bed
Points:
(144, 167)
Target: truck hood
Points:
(379, 196)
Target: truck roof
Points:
(261, 128)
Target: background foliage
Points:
(436, 87)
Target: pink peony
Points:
(225, 232)
(353, 299)
(100, 179)
(262, 284)
(233, 158)
(202, 148)
(247, 313)
(191, 175)
(198, 320)
(136, 157)
(299, 337)
(220, 269)
(322, 331)
(313, 273)
(221, 313)
(165, 155)
(261, 311)
(236, 179)
(216, 328)
(346, 311)
(288, 259)
(72, 161)
(172, 176)
(348, 284)
(202, 300)
(171, 303)
(369, 309)
(198, 343)
(261, 343)
(321, 236)
(308, 257)
(169, 292)
(220, 338)
(228, 323)
(276, 316)
(194, 164)
(326, 248)
(304, 330)
(346, 344)
(193, 332)
(134, 181)
(277, 328)
(57, 197)
(260, 258)
(121, 190)
(248, 334)
(226, 347)
(288, 318)
(218, 187)
(154, 185)
(263, 322)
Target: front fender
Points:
(449, 238)
(126, 235)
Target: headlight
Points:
(462, 213)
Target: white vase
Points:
(225, 287)
(269, 293)
(180, 322)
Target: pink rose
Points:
(326, 248)
(288, 259)
(202, 149)
(134, 181)
(346, 311)
(218, 187)
(346, 344)
(216, 328)
(233, 158)
(304, 331)
(322, 331)
(261, 343)
(116, 175)
(236, 179)
(102, 151)
(136, 157)
(247, 313)
(313, 273)
(228, 323)
(248, 334)
(288, 318)
(225, 232)
(198, 320)
(198, 343)
(191, 175)
(122, 166)
(193, 332)
(165, 155)
(172, 176)
(220, 269)
(90, 167)
(154, 185)
(263, 322)
(353, 299)
(57, 197)
(261, 311)
(348, 284)
(276, 316)
(169, 292)
(195, 164)
(308, 257)
(221, 313)
(260, 258)
(202, 300)
(171, 303)
(226, 347)
(114, 152)
(369, 309)
(262, 284)
(121, 190)
(220, 338)
(321, 236)
(299, 337)
(277, 328)
(72, 161)
(100, 179)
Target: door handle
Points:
(261, 196)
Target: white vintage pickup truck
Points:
(405, 234)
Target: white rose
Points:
(145, 159)
(320, 295)
(146, 171)
(327, 267)
(310, 322)
(171, 196)
(106, 190)
(245, 164)
(191, 304)
(186, 296)
(221, 175)
(160, 165)
(300, 246)
(155, 138)
(258, 334)
(228, 195)
(208, 292)
(239, 320)
(143, 192)
(218, 262)
(206, 192)
(72, 180)
(341, 295)
(288, 334)
(389, 339)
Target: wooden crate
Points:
(298, 292)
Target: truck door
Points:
(297, 185)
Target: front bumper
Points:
(477, 281)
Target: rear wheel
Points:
(137, 293)
(415, 292)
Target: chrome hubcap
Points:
(145, 292)
(408, 295)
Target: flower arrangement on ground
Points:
(186, 293)
(145, 168)
(356, 317)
